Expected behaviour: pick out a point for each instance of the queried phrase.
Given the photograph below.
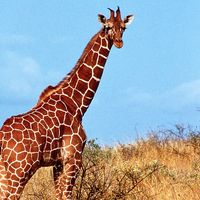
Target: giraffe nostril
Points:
(118, 40)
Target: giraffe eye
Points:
(123, 28)
(107, 28)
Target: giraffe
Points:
(51, 133)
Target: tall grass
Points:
(165, 166)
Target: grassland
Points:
(165, 166)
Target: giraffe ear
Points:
(102, 19)
(128, 19)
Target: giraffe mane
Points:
(52, 89)
(46, 92)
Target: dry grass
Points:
(166, 166)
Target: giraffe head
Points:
(114, 27)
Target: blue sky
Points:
(152, 82)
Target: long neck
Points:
(82, 82)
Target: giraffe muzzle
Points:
(118, 43)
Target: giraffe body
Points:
(51, 134)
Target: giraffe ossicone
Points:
(51, 133)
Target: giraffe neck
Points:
(78, 88)
(80, 85)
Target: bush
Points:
(164, 166)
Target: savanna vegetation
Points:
(165, 166)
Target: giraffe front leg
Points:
(70, 162)
(65, 175)
(3, 181)
(57, 172)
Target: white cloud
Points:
(183, 95)
(15, 39)
(23, 79)
(137, 96)
(20, 76)
(59, 39)
(188, 92)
